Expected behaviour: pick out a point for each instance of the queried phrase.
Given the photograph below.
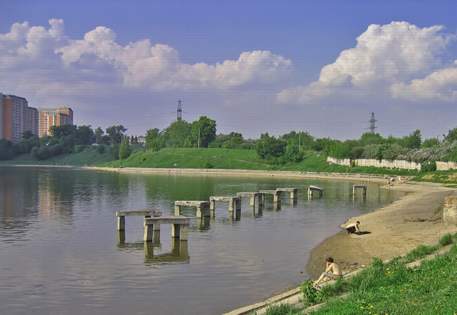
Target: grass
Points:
(237, 159)
(89, 156)
(392, 288)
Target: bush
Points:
(282, 309)
(101, 148)
(428, 166)
(269, 147)
(446, 239)
(80, 148)
(310, 294)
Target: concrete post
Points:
(148, 232)
(177, 210)
(252, 201)
(121, 223)
(212, 204)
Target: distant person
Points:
(353, 228)
(332, 272)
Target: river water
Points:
(59, 251)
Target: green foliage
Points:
(177, 135)
(282, 309)
(124, 149)
(233, 140)
(293, 154)
(153, 140)
(6, 150)
(451, 135)
(269, 147)
(430, 143)
(446, 239)
(203, 131)
(413, 141)
(310, 294)
(420, 252)
(428, 166)
(116, 134)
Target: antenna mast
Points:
(179, 111)
(372, 122)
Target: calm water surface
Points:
(59, 251)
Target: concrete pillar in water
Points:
(450, 210)
(177, 210)
(148, 232)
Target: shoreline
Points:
(395, 230)
(374, 178)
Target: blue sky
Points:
(302, 37)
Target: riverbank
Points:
(374, 178)
(394, 230)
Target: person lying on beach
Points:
(332, 272)
(353, 228)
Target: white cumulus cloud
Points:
(383, 56)
(43, 58)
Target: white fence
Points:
(446, 166)
(401, 164)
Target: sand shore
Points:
(394, 229)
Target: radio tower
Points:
(179, 111)
(372, 121)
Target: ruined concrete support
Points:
(312, 190)
(202, 207)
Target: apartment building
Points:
(54, 117)
(16, 117)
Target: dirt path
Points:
(395, 229)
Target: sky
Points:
(253, 66)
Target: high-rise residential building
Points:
(54, 117)
(16, 117)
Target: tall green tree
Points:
(116, 133)
(124, 149)
(203, 132)
(177, 135)
(153, 140)
(269, 147)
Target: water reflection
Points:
(179, 253)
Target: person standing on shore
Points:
(332, 272)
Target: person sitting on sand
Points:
(353, 228)
(332, 272)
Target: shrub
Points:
(446, 239)
(310, 294)
(101, 148)
(428, 166)
(282, 309)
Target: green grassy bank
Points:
(236, 159)
(220, 159)
(392, 288)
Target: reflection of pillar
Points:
(148, 232)
(148, 250)
(212, 207)
(199, 212)
(179, 231)
(277, 205)
(252, 200)
(156, 235)
(276, 196)
(204, 223)
(121, 237)
(180, 248)
(261, 200)
(237, 214)
(121, 223)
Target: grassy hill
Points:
(235, 159)
(89, 156)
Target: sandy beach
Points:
(394, 230)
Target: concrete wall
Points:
(401, 164)
(445, 166)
